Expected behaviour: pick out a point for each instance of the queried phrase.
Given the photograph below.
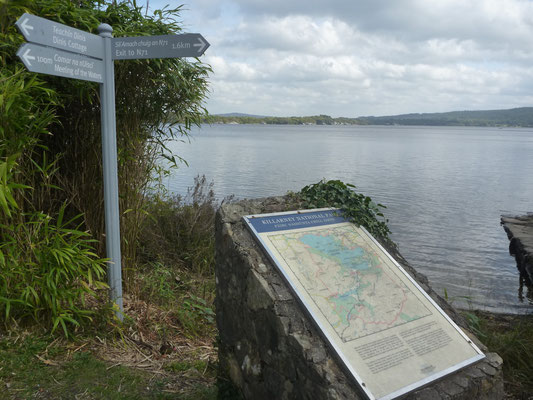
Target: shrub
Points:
(360, 209)
(47, 267)
(51, 199)
(180, 230)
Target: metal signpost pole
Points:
(61, 50)
(109, 155)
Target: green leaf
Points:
(8, 308)
(360, 209)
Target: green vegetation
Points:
(178, 251)
(512, 338)
(47, 262)
(360, 209)
(37, 368)
(164, 349)
(311, 120)
(51, 279)
(52, 234)
(516, 117)
(58, 338)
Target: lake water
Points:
(445, 189)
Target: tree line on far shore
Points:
(516, 117)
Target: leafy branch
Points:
(358, 208)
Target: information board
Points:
(390, 335)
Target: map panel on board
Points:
(391, 336)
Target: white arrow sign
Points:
(26, 27)
(26, 58)
(47, 60)
(200, 45)
(50, 33)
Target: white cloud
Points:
(365, 57)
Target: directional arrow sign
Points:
(71, 53)
(47, 60)
(166, 46)
(49, 33)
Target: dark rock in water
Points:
(520, 232)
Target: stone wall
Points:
(269, 348)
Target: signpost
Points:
(47, 60)
(49, 33)
(167, 46)
(57, 49)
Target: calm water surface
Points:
(445, 189)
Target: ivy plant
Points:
(356, 207)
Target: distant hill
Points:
(513, 117)
(236, 118)
(240, 115)
(519, 117)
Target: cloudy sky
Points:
(364, 57)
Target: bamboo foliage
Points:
(51, 201)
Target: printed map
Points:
(349, 281)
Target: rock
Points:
(520, 233)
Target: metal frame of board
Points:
(319, 322)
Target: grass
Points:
(37, 367)
(511, 336)
(165, 350)
(166, 346)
